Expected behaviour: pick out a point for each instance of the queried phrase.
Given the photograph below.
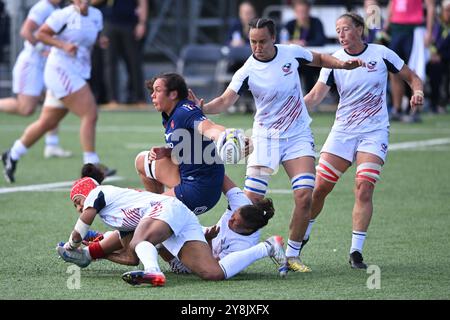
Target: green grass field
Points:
(408, 238)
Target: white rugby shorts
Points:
(62, 80)
(183, 222)
(346, 145)
(270, 153)
(28, 74)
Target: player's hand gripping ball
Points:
(231, 146)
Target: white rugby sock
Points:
(148, 255)
(358, 238)
(90, 157)
(293, 248)
(18, 150)
(237, 261)
(51, 139)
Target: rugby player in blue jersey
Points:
(187, 165)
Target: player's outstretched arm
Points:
(328, 61)
(210, 129)
(217, 105)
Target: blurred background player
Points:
(411, 33)
(28, 74)
(439, 64)
(361, 129)
(281, 128)
(238, 39)
(71, 32)
(157, 219)
(305, 31)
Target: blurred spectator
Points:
(4, 29)
(238, 33)
(439, 65)
(97, 80)
(126, 28)
(238, 37)
(410, 33)
(304, 30)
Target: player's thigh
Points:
(299, 165)
(167, 172)
(28, 103)
(363, 157)
(337, 162)
(197, 256)
(163, 170)
(151, 230)
(81, 102)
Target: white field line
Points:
(48, 186)
(418, 144)
(57, 185)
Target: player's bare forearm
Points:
(215, 106)
(330, 62)
(210, 130)
(316, 95)
(222, 103)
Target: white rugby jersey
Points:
(228, 241)
(38, 14)
(70, 26)
(122, 209)
(275, 86)
(362, 104)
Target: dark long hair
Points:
(257, 215)
(92, 171)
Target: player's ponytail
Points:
(257, 215)
(92, 171)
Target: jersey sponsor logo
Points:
(287, 68)
(200, 210)
(188, 106)
(371, 66)
(167, 136)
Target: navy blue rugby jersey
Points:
(196, 154)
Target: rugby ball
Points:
(231, 146)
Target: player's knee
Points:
(145, 167)
(139, 162)
(364, 191)
(369, 172)
(27, 110)
(303, 198)
(256, 182)
(327, 172)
